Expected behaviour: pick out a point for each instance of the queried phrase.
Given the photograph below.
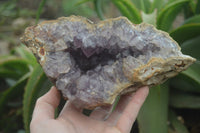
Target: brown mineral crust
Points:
(154, 62)
(93, 63)
(41, 51)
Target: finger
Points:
(70, 107)
(46, 105)
(70, 110)
(124, 100)
(130, 112)
(101, 113)
(74, 115)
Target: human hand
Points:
(71, 119)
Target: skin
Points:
(71, 119)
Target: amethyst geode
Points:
(93, 63)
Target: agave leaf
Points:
(192, 7)
(13, 91)
(122, 8)
(191, 47)
(143, 5)
(39, 10)
(147, 6)
(6, 73)
(191, 20)
(186, 32)
(13, 64)
(26, 54)
(137, 4)
(98, 7)
(37, 84)
(152, 117)
(128, 9)
(74, 7)
(181, 99)
(3, 85)
(136, 16)
(5, 57)
(157, 4)
(193, 72)
(168, 14)
(185, 83)
(83, 2)
(175, 125)
(198, 7)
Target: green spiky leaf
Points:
(181, 99)
(37, 84)
(191, 47)
(13, 67)
(168, 14)
(128, 9)
(152, 117)
(13, 92)
(23, 52)
(198, 7)
(39, 11)
(157, 4)
(186, 32)
(98, 7)
(194, 19)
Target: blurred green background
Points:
(173, 107)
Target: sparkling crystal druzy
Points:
(93, 63)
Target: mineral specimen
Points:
(93, 63)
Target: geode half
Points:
(93, 63)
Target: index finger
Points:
(46, 105)
(130, 112)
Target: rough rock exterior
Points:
(93, 63)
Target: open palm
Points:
(71, 119)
